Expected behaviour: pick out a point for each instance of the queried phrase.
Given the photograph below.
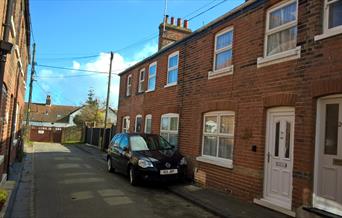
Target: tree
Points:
(91, 113)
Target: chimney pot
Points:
(179, 22)
(166, 19)
(172, 20)
(48, 100)
(186, 24)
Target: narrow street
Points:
(70, 182)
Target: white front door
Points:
(279, 157)
(328, 164)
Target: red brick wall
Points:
(250, 91)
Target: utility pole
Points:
(107, 102)
(31, 86)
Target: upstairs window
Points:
(125, 124)
(281, 28)
(223, 50)
(169, 128)
(141, 81)
(152, 75)
(129, 85)
(333, 14)
(148, 123)
(172, 70)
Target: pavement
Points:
(67, 181)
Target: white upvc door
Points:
(328, 160)
(279, 157)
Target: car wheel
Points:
(109, 165)
(132, 177)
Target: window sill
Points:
(216, 161)
(279, 58)
(170, 85)
(150, 90)
(223, 72)
(328, 34)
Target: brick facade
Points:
(249, 91)
(15, 70)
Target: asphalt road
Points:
(69, 182)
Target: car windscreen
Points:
(149, 142)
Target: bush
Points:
(3, 196)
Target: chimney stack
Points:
(172, 32)
(48, 100)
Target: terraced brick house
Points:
(16, 25)
(253, 100)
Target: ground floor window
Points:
(138, 123)
(125, 124)
(148, 123)
(218, 135)
(169, 128)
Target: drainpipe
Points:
(5, 46)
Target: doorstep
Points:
(268, 204)
(221, 204)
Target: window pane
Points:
(173, 139)
(148, 125)
(288, 140)
(152, 83)
(223, 59)
(172, 76)
(335, 14)
(173, 61)
(224, 40)
(331, 129)
(174, 124)
(153, 70)
(282, 41)
(210, 145)
(138, 124)
(225, 148)
(227, 124)
(142, 75)
(165, 123)
(276, 142)
(283, 15)
(210, 124)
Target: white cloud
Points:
(76, 65)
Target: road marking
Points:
(81, 180)
(110, 192)
(79, 174)
(115, 201)
(67, 165)
(82, 195)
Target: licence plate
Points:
(169, 172)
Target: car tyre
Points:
(110, 165)
(133, 180)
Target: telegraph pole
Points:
(107, 102)
(31, 86)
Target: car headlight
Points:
(183, 161)
(145, 163)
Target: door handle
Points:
(268, 156)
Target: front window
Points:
(148, 123)
(281, 31)
(169, 128)
(125, 124)
(138, 123)
(149, 143)
(172, 71)
(152, 75)
(218, 135)
(141, 80)
(129, 85)
(223, 50)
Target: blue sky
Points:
(65, 30)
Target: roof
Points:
(52, 114)
(243, 8)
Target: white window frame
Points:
(172, 68)
(129, 85)
(169, 115)
(136, 119)
(224, 71)
(141, 81)
(328, 32)
(149, 77)
(125, 128)
(147, 117)
(223, 162)
(288, 55)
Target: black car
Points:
(145, 157)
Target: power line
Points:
(212, 7)
(66, 68)
(200, 8)
(50, 93)
(68, 58)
